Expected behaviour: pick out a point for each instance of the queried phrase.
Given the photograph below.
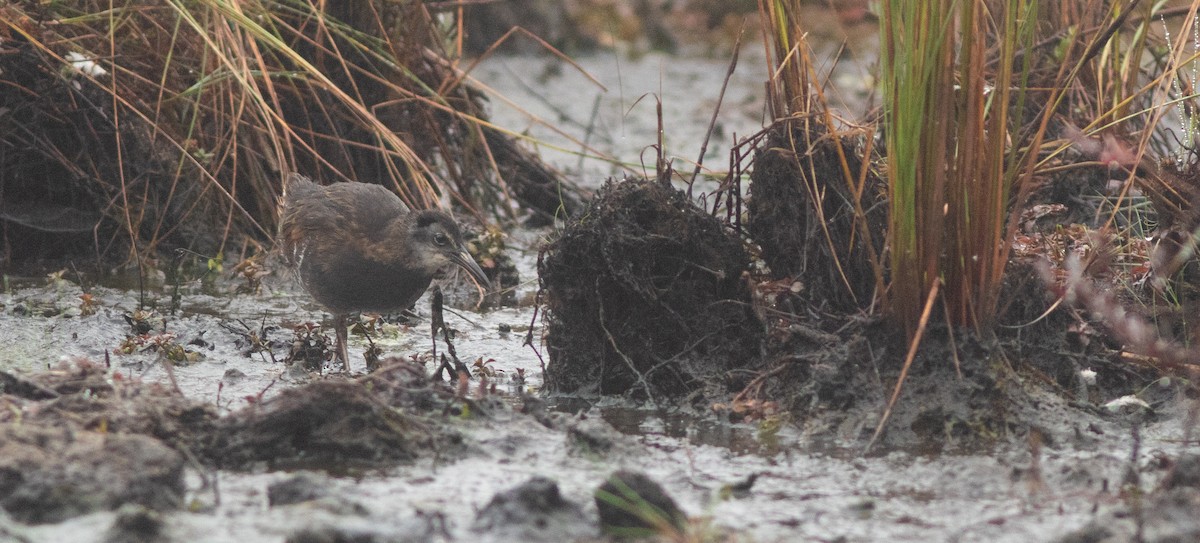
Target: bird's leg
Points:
(436, 321)
(339, 329)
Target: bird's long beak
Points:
(463, 259)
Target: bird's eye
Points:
(441, 239)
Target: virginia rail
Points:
(357, 247)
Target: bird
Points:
(356, 247)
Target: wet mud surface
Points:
(102, 446)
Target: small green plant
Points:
(485, 368)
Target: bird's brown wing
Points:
(334, 216)
(366, 208)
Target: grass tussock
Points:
(954, 97)
(1036, 165)
(172, 124)
(987, 109)
(815, 205)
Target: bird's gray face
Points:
(438, 243)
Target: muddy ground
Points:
(100, 446)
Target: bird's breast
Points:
(346, 282)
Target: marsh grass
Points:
(975, 95)
(980, 104)
(176, 121)
(951, 85)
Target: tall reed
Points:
(951, 165)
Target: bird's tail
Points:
(294, 185)
(296, 188)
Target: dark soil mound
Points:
(802, 213)
(329, 424)
(645, 295)
(53, 474)
(531, 512)
(75, 440)
(79, 439)
(83, 396)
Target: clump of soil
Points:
(53, 474)
(802, 213)
(73, 441)
(645, 295)
(79, 439)
(82, 396)
(329, 425)
(533, 511)
(338, 424)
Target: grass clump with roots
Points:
(166, 125)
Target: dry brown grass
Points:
(201, 108)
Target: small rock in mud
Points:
(136, 524)
(315, 491)
(53, 474)
(592, 436)
(333, 534)
(533, 511)
(632, 504)
(299, 487)
(419, 529)
(233, 375)
(1094, 532)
